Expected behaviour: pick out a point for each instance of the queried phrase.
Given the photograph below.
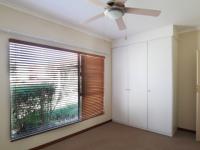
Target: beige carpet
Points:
(113, 136)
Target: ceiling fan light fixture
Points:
(114, 13)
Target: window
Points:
(52, 87)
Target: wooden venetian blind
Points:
(92, 70)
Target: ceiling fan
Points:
(116, 9)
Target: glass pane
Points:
(44, 89)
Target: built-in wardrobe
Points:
(144, 84)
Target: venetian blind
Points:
(44, 88)
(52, 87)
(92, 71)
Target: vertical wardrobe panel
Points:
(120, 85)
(160, 79)
(138, 85)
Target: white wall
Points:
(44, 32)
(175, 84)
(167, 31)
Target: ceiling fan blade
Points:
(98, 3)
(120, 23)
(140, 11)
(95, 18)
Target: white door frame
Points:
(198, 96)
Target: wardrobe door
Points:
(160, 96)
(138, 85)
(120, 86)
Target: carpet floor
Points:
(113, 136)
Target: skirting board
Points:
(187, 130)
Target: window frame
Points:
(79, 86)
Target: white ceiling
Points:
(74, 12)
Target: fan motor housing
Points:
(114, 12)
(113, 3)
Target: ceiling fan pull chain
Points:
(126, 37)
